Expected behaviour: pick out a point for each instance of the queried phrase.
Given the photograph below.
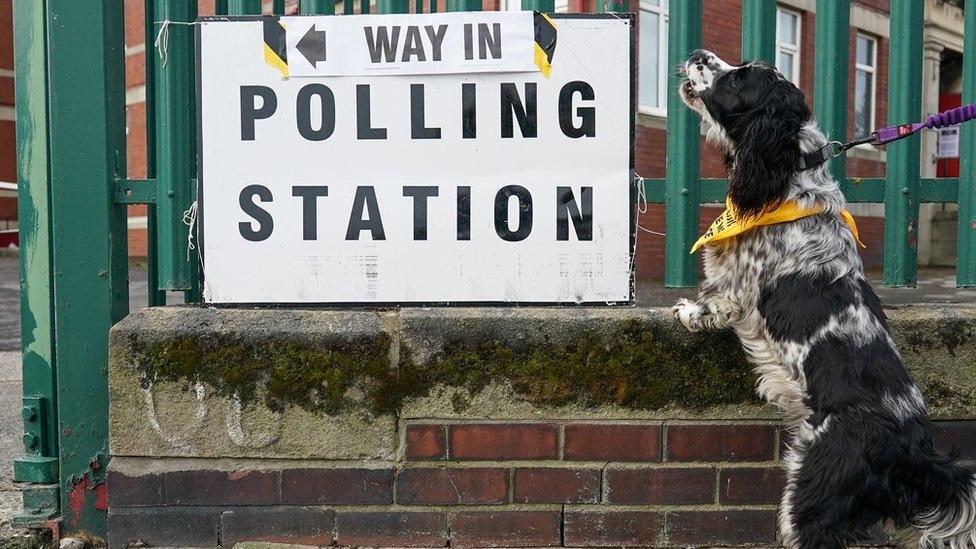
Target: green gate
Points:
(74, 192)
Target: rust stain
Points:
(101, 496)
(239, 474)
(76, 499)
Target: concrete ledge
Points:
(322, 384)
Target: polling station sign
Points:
(438, 158)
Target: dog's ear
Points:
(766, 151)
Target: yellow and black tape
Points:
(275, 46)
(545, 42)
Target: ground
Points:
(937, 285)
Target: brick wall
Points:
(509, 484)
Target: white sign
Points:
(948, 142)
(410, 44)
(443, 188)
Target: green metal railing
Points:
(74, 191)
(902, 189)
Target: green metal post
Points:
(433, 6)
(463, 5)
(220, 8)
(621, 6)
(830, 77)
(902, 169)
(157, 297)
(278, 7)
(175, 137)
(683, 185)
(317, 7)
(348, 7)
(364, 7)
(234, 7)
(39, 464)
(966, 252)
(759, 30)
(391, 6)
(545, 6)
(86, 108)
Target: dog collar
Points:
(828, 151)
(818, 156)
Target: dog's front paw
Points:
(724, 310)
(688, 313)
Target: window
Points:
(865, 75)
(788, 44)
(653, 74)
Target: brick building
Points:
(721, 32)
(8, 169)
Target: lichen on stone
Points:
(281, 372)
(639, 365)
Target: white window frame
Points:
(662, 59)
(786, 47)
(871, 69)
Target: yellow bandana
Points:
(727, 226)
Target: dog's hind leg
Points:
(821, 492)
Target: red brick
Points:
(124, 490)
(503, 441)
(554, 485)
(751, 485)
(589, 441)
(956, 437)
(202, 487)
(611, 529)
(291, 525)
(718, 442)
(337, 486)
(506, 529)
(442, 486)
(426, 442)
(387, 529)
(661, 485)
(164, 527)
(733, 527)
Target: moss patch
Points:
(949, 333)
(641, 366)
(280, 372)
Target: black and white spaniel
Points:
(860, 453)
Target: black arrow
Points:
(312, 45)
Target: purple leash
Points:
(884, 136)
(950, 117)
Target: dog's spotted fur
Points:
(860, 453)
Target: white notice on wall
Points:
(948, 142)
(481, 187)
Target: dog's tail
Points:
(949, 518)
